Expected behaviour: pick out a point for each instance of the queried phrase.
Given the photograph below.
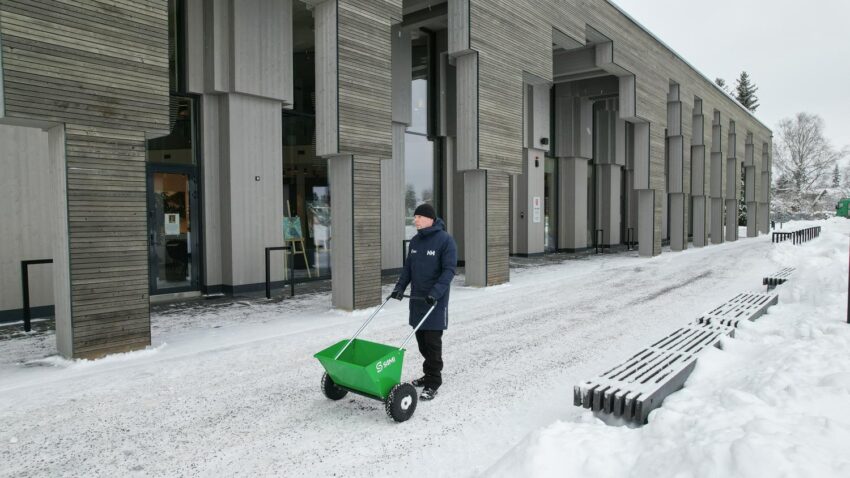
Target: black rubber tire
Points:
(330, 390)
(401, 402)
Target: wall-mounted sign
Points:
(535, 209)
(172, 224)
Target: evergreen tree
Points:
(745, 92)
(722, 84)
(836, 177)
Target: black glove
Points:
(430, 300)
(397, 295)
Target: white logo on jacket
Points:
(413, 251)
(432, 253)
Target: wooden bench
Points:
(632, 389)
(777, 278)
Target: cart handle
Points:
(417, 325)
(362, 327)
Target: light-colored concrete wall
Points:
(340, 177)
(61, 249)
(211, 147)
(28, 202)
(253, 211)
(245, 78)
(262, 49)
(392, 202)
(530, 186)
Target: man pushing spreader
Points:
(429, 269)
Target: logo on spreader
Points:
(380, 366)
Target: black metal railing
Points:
(630, 238)
(291, 270)
(25, 289)
(797, 237)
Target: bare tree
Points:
(802, 154)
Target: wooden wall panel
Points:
(498, 225)
(102, 71)
(364, 71)
(367, 231)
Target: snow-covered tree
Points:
(745, 92)
(836, 177)
(802, 154)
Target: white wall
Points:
(27, 229)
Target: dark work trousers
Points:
(431, 347)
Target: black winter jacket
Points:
(429, 269)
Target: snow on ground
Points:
(234, 390)
(774, 402)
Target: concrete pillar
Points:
(648, 229)
(392, 169)
(528, 204)
(716, 177)
(733, 173)
(573, 147)
(646, 222)
(750, 186)
(675, 171)
(475, 227)
(698, 199)
(608, 186)
(699, 213)
(609, 158)
(572, 207)
(764, 191)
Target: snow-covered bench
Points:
(747, 306)
(777, 278)
(637, 386)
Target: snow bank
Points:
(774, 402)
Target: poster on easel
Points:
(293, 234)
(292, 229)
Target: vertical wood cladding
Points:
(498, 227)
(364, 72)
(367, 231)
(101, 69)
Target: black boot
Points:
(419, 382)
(428, 394)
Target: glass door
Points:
(171, 222)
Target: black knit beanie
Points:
(425, 210)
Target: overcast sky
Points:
(796, 52)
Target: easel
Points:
(295, 250)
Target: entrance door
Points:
(172, 229)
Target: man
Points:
(430, 268)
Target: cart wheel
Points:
(401, 402)
(330, 389)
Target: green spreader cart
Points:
(370, 369)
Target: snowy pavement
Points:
(238, 395)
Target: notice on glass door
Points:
(172, 224)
